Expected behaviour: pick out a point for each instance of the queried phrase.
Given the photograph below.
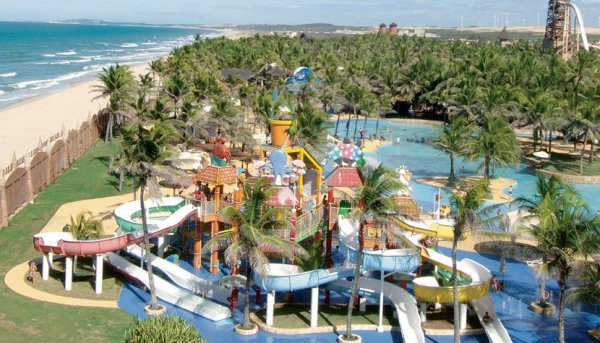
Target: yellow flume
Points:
(434, 229)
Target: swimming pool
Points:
(423, 160)
(522, 324)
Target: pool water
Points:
(423, 160)
(522, 324)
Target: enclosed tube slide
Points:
(63, 243)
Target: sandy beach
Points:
(25, 123)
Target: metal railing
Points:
(309, 221)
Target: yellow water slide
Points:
(440, 229)
(475, 276)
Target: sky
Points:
(445, 13)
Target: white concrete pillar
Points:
(51, 259)
(270, 307)
(362, 304)
(463, 316)
(45, 267)
(68, 272)
(314, 306)
(99, 272)
(423, 311)
(160, 246)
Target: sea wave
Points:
(1, 92)
(49, 55)
(9, 99)
(13, 74)
(67, 53)
(46, 83)
(149, 43)
(128, 45)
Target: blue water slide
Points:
(287, 277)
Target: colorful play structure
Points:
(298, 180)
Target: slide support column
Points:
(68, 272)
(45, 266)
(270, 307)
(463, 316)
(160, 246)
(99, 272)
(314, 306)
(423, 311)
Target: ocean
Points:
(37, 58)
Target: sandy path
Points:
(25, 123)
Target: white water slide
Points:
(185, 279)
(495, 331)
(169, 292)
(408, 314)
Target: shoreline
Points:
(28, 121)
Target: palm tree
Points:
(116, 83)
(589, 292)
(535, 217)
(253, 236)
(453, 140)
(467, 216)
(84, 226)
(573, 233)
(176, 87)
(313, 126)
(353, 94)
(494, 143)
(376, 204)
(222, 113)
(146, 147)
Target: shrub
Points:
(163, 329)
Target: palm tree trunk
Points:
(455, 290)
(153, 299)
(337, 123)
(550, 143)
(121, 179)
(376, 128)
(561, 308)
(591, 150)
(348, 126)
(543, 283)
(355, 123)
(585, 138)
(354, 284)
(486, 174)
(451, 177)
(246, 324)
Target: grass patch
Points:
(26, 320)
(298, 316)
(84, 281)
(569, 164)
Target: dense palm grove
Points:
(482, 90)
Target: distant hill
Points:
(314, 27)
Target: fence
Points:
(28, 175)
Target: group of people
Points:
(497, 285)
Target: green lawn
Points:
(25, 320)
(298, 316)
(569, 164)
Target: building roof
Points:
(217, 175)
(244, 74)
(503, 36)
(344, 177)
(382, 25)
(393, 25)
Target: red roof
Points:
(344, 177)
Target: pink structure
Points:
(63, 243)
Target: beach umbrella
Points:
(541, 154)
